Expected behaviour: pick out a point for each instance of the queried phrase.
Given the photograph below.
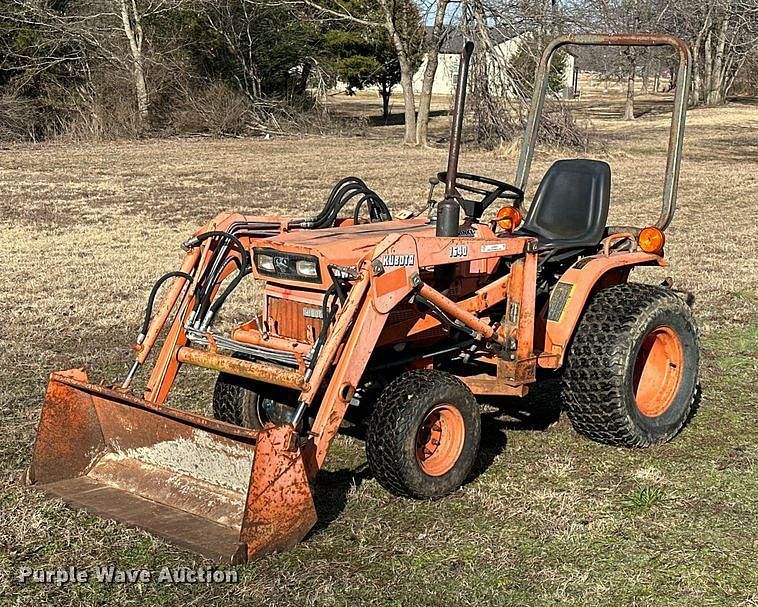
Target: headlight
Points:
(265, 262)
(306, 267)
(289, 266)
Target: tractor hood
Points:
(342, 246)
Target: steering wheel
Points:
(497, 190)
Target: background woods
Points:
(131, 68)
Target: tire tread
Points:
(593, 382)
(393, 419)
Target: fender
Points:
(560, 315)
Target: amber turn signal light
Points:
(651, 240)
(508, 218)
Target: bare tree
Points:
(432, 46)
(746, 79)
(497, 98)
(109, 31)
(234, 22)
(722, 33)
(628, 16)
(131, 18)
(631, 76)
(395, 16)
(499, 93)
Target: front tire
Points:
(423, 435)
(631, 377)
(244, 402)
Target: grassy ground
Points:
(550, 519)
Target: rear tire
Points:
(631, 376)
(244, 402)
(423, 435)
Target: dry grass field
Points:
(550, 519)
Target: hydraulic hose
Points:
(151, 299)
(327, 316)
(203, 300)
(377, 209)
(205, 283)
(219, 301)
(197, 240)
(343, 192)
(316, 221)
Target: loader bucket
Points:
(226, 492)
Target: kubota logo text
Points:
(398, 260)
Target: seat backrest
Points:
(570, 207)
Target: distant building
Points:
(446, 76)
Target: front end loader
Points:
(387, 328)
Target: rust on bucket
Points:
(227, 492)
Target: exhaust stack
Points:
(448, 210)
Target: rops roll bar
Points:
(676, 134)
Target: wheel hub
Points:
(439, 440)
(658, 371)
(270, 410)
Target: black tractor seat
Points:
(570, 207)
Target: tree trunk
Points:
(409, 100)
(696, 82)
(385, 92)
(143, 104)
(133, 30)
(707, 67)
(432, 61)
(696, 93)
(406, 74)
(717, 84)
(645, 79)
(425, 102)
(629, 105)
(731, 70)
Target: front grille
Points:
(403, 312)
(400, 321)
(288, 318)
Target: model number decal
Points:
(491, 248)
(313, 313)
(398, 260)
(459, 250)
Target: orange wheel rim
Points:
(657, 371)
(439, 440)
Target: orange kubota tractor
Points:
(391, 326)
